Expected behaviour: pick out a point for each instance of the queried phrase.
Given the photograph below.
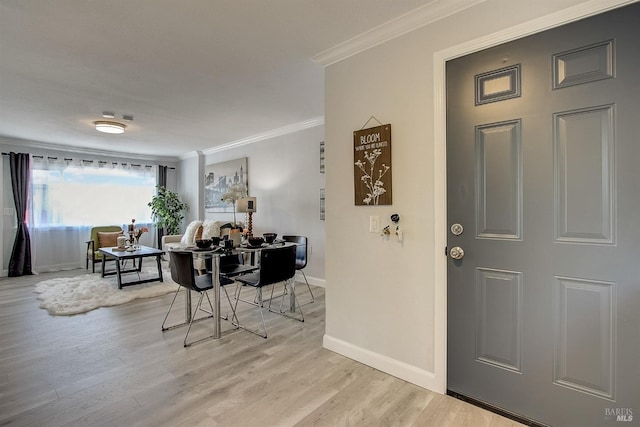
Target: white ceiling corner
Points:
(294, 127)
(425, 15)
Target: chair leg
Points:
(259, 304)
(193, 317)
(256, 299)
(308, 287)
(169, 311)
(260, 307)
(293, 298)
(234, 317)
(193, 320)
(168, 328)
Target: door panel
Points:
(499, 318)
(499, 180)
(584, 353)
(584, 161)
(542, 173)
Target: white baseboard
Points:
(65, 267)
(404, 371)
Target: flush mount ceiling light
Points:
(109, 127)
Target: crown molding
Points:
(410, 21)
(36, 145)
(292, 128)
(561, 17)
(190, 155)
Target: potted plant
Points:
(167, 210)
(235, 192)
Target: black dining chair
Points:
(184, 274)
(277, 265)
(301, 258)
(231, 266)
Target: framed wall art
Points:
(220, 178)
(372, 165)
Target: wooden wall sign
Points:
(372, 165)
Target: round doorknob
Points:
(456, 252)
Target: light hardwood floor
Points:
(114, 367)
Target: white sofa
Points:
(196, 230)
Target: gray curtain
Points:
(162, 181)
(20, 262)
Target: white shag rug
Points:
(73, 295)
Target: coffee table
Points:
(139, 254)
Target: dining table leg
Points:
(292, 296)
(187, 306)
(215, 266)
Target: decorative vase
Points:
(236, 237)
(136, 245)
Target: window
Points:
(74, 195)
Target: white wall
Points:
(189, 187)
(386, 301)
(3, 205)
(284, 177)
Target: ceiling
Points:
(194, 74)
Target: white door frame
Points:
(589, 8)
(3, 271)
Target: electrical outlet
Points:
(374, 224)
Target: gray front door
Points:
(543, 176)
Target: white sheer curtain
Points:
(69, 196)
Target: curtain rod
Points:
(100, 162)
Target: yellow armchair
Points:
(107, 238)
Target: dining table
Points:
(215, 253)
(255, 250)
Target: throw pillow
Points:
(198, 235)
(108, 239)
(188, 238)
(210, 229)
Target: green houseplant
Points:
(167, 210)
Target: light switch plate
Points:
(374, 224)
